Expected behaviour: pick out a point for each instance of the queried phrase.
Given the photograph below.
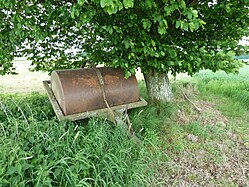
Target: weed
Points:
(37, 150)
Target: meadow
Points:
(200, 139)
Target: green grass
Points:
(37, 150)
(232, 92)
(232, 88)
(179, 145)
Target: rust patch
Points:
(81, 91)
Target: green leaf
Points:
(195, 13)
(231, 53)
(146, 23)
(27, 166)
(167, 10)
(19, 168)
(189, 14)
(148, 3)
(185, 26)
(161, 30)
(127, 44)
(172, 53)
(127, 74)
(128, 3)
(182, 4)
(19, 25)
(11, 171)
(4, 182)
(72, 12)
(111, 10)
(80, 2)
(120, 5)
(178, 24)
(153, 43)
(197, 25)
(165, 23)
(191, 26)
(109, 29)
(103, 3)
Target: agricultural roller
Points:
(81, 93)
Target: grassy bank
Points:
(201, 139)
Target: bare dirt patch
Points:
(204, 112)
(198, 168)
(207, 114)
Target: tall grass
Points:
(37, 150)
(235, 87)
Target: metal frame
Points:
(83, 115)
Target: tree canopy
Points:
(166, 35)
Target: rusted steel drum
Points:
(79, 90)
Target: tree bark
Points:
(158, 86)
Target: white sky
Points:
(244, 41)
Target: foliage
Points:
(37, 150)
(175, 35)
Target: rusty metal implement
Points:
(80, 93)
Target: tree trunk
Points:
(158, 86)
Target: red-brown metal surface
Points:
(79, 90)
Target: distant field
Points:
(243, 57)
(25, 81)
